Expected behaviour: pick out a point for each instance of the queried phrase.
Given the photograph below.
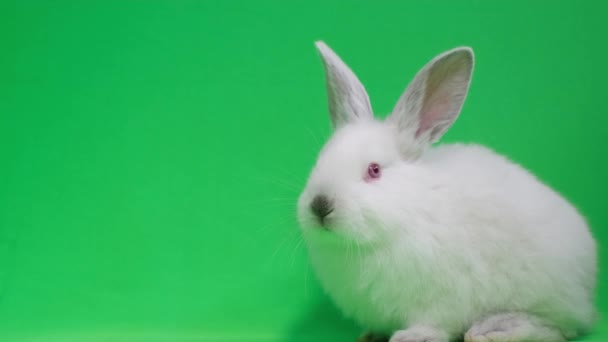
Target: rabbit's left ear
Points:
(432, 101)
(348, 100)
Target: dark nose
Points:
(321, 206)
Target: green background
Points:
(152, 151)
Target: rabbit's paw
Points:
(512, 327)
(420, 334)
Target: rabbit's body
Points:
(436, 240)
(450, 267)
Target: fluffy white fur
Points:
(449, 240)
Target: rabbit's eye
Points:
(373, 170)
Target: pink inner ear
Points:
(432, 114)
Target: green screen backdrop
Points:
(152, 151)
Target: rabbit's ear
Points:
(432, 101)
(348, 100)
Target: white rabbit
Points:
(430, 244)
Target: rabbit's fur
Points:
(448, 240)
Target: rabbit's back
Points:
(513, 240)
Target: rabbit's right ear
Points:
(348, 100)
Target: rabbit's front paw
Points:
(419, 334)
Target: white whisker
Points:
(294, 251)
(289, 237)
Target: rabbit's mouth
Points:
(325, 216)
(333, 226)
(311, 221)
(326, 221)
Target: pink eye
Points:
(373, 170)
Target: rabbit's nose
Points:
(321, 206)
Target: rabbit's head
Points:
(350, 192)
